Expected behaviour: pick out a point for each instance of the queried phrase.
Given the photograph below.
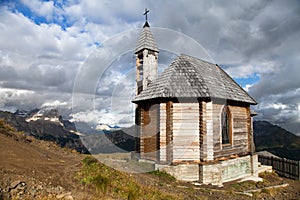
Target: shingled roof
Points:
(190, 77)
(146, 40)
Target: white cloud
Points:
(246, 88)
(55, 103)
(248, 70)
(277, 106)
(45, 9)
(249, 37)
(102, 117)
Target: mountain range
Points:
(274, 139)
(50, 126)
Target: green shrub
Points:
(4, 125)
(101, 183)
(89, 160)
(133, 194)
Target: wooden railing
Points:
(283, 167)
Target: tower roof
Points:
(189, 77)
(146, 40)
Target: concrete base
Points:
(225, 171)
(183, 172)
(251, 178)
(264, 168)
(215, 173)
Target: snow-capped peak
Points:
(106, 127)
(48, 114)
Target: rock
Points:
(65, 196)
(39, 187)
(49, 190)
(68, 197)
(17, 188)
(33, 192)
(14, 184)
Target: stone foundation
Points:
(216, 173)
(228, 170)
(183, 172)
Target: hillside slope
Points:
(276, 140)
(45, 130)
(34, 169)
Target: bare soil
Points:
(46, 169)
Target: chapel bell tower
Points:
(146, 58)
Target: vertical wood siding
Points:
(202, 124)
(185, 132)
(169, 131)
(163, 136)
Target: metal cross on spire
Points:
(146, 13)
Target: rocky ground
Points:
(35, 169)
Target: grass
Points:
(109, 182)
(269, 179)
(163, 175)
(5, 126)
(8, 129)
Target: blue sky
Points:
(46, 45)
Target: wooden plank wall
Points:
(138, 111)
(186, 132)
(202, 125)
(150, 132)
(169, 131)
(250, 131)
(239, 135)
(206, 127)
(163, 136)
(141, 147)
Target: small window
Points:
(225, 123)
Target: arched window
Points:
(225, 123)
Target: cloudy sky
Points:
(77, 55)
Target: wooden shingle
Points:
(190, 77)
(146, 40)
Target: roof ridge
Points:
(193, 57)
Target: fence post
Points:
(272, 161)
(298, 170)
(283, 170)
